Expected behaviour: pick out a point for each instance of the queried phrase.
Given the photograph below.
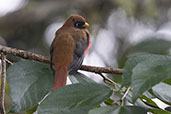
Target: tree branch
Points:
(3, 80)
(45, 59)
(101, 69)
(107, 80)
(24, 54)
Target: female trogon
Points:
(68, 48)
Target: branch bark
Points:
(3, 81)
(45, 59)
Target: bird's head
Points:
(76, 21)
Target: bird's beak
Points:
(86, 24)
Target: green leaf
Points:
(75, 99)
(103, 110)
(119, 110)
(167, 81)
(29, 82)
(138, 102)
(152, 45)
(130, 64)
(158, 111)
(109, 101)
(148, 101)
(31, 111)
(163, 92)
(79, 78)
(149, 73)
(145, 71)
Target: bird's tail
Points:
(60, 77)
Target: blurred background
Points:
(119, 28)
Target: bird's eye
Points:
(79, 25)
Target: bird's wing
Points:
(61, 51)
(51, 55)
(79, 53)
(76, 64)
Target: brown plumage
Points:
(68, 48)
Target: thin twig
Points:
(3, 80)
(107, 80)
(8, 61)
(45, 59)
(126, 92)
(123, 97)
(118, 90)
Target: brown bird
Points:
(68, 49)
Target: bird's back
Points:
(63, 47)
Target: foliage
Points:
(31, 83)
(147, 75)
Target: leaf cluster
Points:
(148, 76)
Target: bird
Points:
(69, 48)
